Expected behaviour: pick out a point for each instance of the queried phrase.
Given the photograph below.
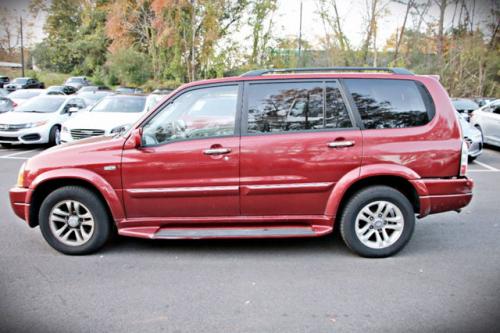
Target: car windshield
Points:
(465, 104)
(25, 93)
(129, 104)
(42, 104)
(74, 80)
(20, 80)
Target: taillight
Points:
(464, 159)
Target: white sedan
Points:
(38, 120)
(487, 120)
(111, 115)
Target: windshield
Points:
(42, 104)
(21, 81)
(55, 88)
(129, 104)
(25, 93)
(74, 80)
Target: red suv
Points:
(272, 153)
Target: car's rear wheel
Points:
(55, 136)
(74, 220)
(377, 222)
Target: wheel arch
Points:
(40, 188)
(346, 188)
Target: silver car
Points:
(487, 120)
(472, 136)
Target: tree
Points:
(261, 21)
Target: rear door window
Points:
(384, 103)
(295, 106)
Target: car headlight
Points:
(35, 124)
(20, 176)
(120, 129)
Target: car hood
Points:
(15, 118)
(101, 120)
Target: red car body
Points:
(289, 180)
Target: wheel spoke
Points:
(363, 230)
(59, 211)
(385, 236)
(379, 240)
(66, 236)
(395, 227)
(79, 237)
(56, 218)
(381, 206)
(368, 235)
(60, 231)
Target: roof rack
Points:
(395, 70)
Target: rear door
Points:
(298, 139)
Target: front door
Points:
(188, 163)
(298, 141)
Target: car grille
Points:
(78, 134)
(10, 128)
(9, 139)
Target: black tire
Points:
(102, 224)
(362, 198)
(55, 133)
(472, 158)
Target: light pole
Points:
(22, 46)
(300, 35)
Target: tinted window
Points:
(20, 81)
(200, 113)
(390, 103)
(336, 114)
(129, 104)
(283, 107)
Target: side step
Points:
(233, 232)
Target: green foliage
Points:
(130, 66)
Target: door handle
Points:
(217, 151)
(340, 144)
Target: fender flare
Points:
(368, 171)
(105, 189)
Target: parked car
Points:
(3, 92)
(77, 82)
(21, 96)
(65, 90)
(93, 88)
(93, 97)
(260, 155)
(472, 136)
(4, 80)
(464, 106)
(24, 83)
(487, 120)
(111, 115)
(482, 101)
(128, 90)
(6, 105)
(153, 99)
(38, 120)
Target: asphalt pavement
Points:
(446, 279)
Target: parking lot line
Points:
(18, 153)
(484, 165)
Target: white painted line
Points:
(483, 171)
(14, 158)
(20, 153)
(486, 166)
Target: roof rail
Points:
(395, 70)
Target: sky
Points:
(287, 19)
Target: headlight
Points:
(120, 129)
(20, 176)
(35, 124)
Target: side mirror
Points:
(73, 109)
(134, 140)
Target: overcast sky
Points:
(287, 18)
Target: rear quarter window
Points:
(388, 103)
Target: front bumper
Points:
(442, 195)
(19, 197)
(26, 136)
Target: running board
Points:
(225, 232)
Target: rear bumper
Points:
(18, 200)
(441, 195)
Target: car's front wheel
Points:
(377, 222)
(55, 136)
(74, 220)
